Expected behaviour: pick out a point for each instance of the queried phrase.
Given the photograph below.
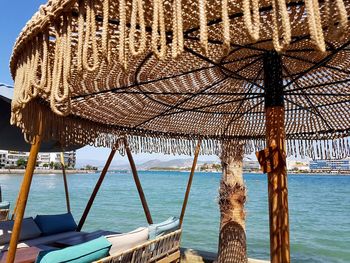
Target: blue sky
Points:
(13, 18)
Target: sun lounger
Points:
(157, 242)
(32, 233)
(164, 249)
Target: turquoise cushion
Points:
(53, 224)
(83, 253)
(167, 226)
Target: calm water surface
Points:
(319, 208)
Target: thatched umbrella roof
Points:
(163, 71)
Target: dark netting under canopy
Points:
(166, 72)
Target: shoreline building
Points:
(330, 165)
(9, 159)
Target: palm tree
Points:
(232, 197)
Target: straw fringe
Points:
(75, 131)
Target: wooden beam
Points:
(277, 189)
(277, 175)
(24, 192)
(138, 183)
(95, 191)
(189, 184)
(65, 182)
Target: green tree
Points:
(21, 162)
(45, 165)
(57, 166)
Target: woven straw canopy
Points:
(165, 72)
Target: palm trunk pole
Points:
(232, 242)
(24, 192)
(65, 182)
(277, 175)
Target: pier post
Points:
(95, 191)
(138, 183)
(24, 192)
(189, 184)
(65, 182)
(277, 174)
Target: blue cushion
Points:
(83, 253)
(53, 224)
(167, 226)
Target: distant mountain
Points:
(175, 163)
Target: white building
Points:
(9, 159)
(294, 165)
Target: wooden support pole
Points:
(189, 184)
(138, 183)
(24, 192)
(95, 191)
(277, 178)
(65, 182)
(277, 189)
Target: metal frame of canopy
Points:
(27, 179)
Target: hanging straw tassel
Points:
(315, 25)
(105, 35)
(80, 36)
(122, 33)
(203, 28)
(280, 7)
(253, 25)
(33, 63)
(90, 35)
(225, 25)
(178, 38)
(158, 24)
(342, 14)
(137, 10)
(61, 69)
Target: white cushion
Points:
(125, 241)
(28, 230)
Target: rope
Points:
(105, 35)
(178, 38)
(137, 10)
(158, 24)
(61, 69)
(253, 25)
(122, 32)
(203, 28)
(80, 36)
(314, 23)
(280, 7)
(90, 35)
(225, 24)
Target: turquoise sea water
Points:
(319, 208)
